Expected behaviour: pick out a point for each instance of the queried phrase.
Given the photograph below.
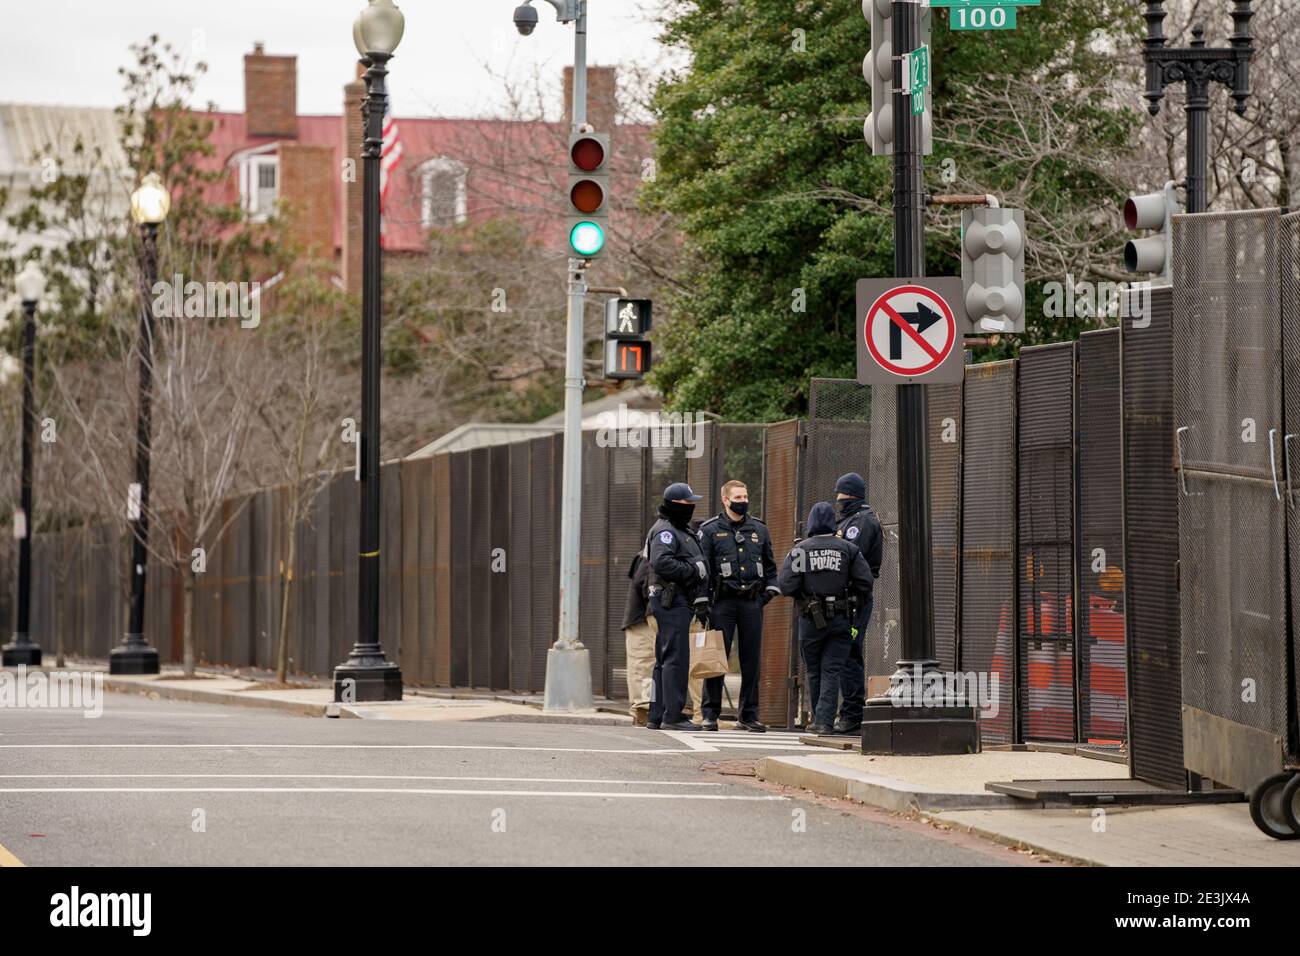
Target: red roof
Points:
(517, 167)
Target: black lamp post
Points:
(149, 207)
(1197, 66)
(23, 650)
(367, 674)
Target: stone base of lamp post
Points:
(568, 681)
(134, 656)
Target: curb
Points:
(240, 698)
(828, 779)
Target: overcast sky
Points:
(68, 51)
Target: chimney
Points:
(602, 97)
(270, 94)
(354, 95)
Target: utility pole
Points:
(568, 662)
(1196, 67)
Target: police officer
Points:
(742, 572)
(679, 589)
(858, 525)
(826, 574)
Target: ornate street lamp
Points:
(150, 204)
(367, 674)
(23, 650)
(1197, 66)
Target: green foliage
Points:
(762, 162)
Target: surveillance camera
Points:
(525, 19)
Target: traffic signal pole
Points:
(916, 582)
(908, 720)
(568, 662)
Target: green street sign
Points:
(916, 77)
(982, 18)
(960, 4)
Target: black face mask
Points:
(849, 506)
(678, 513)
(738, 507)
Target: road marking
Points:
(241, 746)
(602, 794)
(8, 859)
(344, 776)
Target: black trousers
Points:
(853, 681)
(824, 653)
(672, 660)
(731, 615)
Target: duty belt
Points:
(821, 609)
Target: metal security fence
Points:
(1045, 483)
(1099, 555)
(1231, 447)
(1151, 618)
(988, 541)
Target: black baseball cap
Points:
(681, 491)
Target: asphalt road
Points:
(169, 783)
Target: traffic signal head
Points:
(993, 268)
(1151, 211)
(878, 71)
(588, 194)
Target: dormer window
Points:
(259, 181)
(444, 198)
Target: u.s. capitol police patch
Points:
(666, 537)
(851, 533)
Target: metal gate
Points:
(1290, 288)
(1227, 338)
(1045, 488)
(1099, 559)
(988, 542)
(882, 649)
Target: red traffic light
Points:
(588, 154)
(587, 196)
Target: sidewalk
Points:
(318, 701)
(949, 791)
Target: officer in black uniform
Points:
(679, 589)
(827, 575)
(742, 570)
(858, 525)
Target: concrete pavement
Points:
(183, 783)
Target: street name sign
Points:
(957, 4)
(909, 331)
(916, 76)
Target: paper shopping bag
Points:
(708, 654)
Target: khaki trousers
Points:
(640, 642)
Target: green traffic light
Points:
(587, 238)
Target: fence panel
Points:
(593, 619)
(945, 419)
(523, 568)
(442, 608)
(1290, 291)
(462, 574)
(502, 569)
(479, 556)
(625, 537)
(1045, 487)
(988, 560)
(882, 650)
(1103, 674)
(777, 697)
(1227, 401)
(391, 521)
(1151, 618)
(546, 554)
(415, 472)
